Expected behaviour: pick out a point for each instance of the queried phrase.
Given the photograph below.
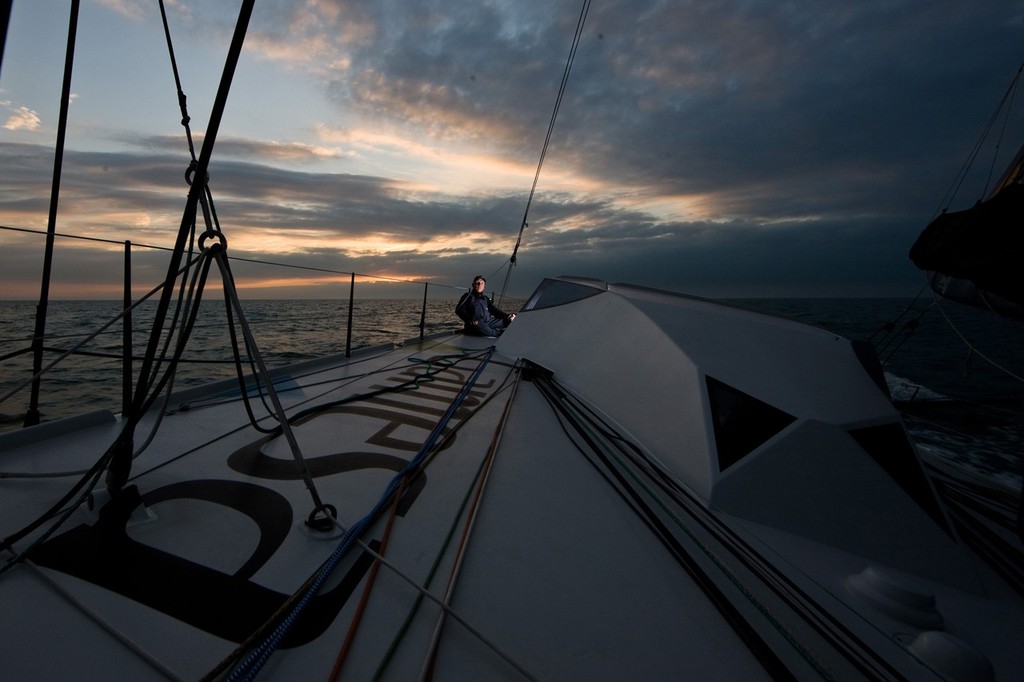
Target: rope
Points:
(182, 99)
(364, 598)
(307, 268)
(120, 466)
(547, 140)
(78, 346)
(961, 175)
(428, 664)
(116, 460)
(231, 294)
(883, 346)
(846, 642)
(254, 662)
(110, 628)
(616, 473)
(972, 349)
(422, 591)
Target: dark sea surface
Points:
(285, 332)
(930, 352)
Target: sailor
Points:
(480, 315)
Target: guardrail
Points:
(129, 303)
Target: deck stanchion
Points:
(423, 312)
(126, 333)
(348, 335)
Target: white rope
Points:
(440, 603)
(973, 348)
(468, 531)
(106, 625)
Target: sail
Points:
(974, 256)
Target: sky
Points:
(722, 148)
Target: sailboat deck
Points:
(546, 566)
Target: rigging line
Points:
(368, 584)
(452, 613)
(243, 389)
(231, 293)
(442, 549)
(122, 460)
(371, 578)
(973, 349)
(1011, 93)
(177, 82)
(846, 642)
(264, 630)
(255, 661)
(644, 464)
(888, 327)
(86, 484)
(246, 425)
(558, 398)
(86, 340)
(887, 351)
(794, 596)
(961, 175)
(166, 379)
(547, 139)
(120, 242)
(185, 296)
(111, 629)
(426, 672)
(250, 666)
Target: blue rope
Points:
(254, 662)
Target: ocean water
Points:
(930, 352)
(285, 332)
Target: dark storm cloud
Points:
(819, 137)
(851, 116)
(666, 89)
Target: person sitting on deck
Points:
(480, 315)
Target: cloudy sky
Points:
(713, 147)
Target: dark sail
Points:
(975, 255)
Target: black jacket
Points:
(477, 307)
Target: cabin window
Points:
(742, 422)
(889, 447)
(553, 292)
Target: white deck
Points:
(588, 554)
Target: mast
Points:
(5, 19)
